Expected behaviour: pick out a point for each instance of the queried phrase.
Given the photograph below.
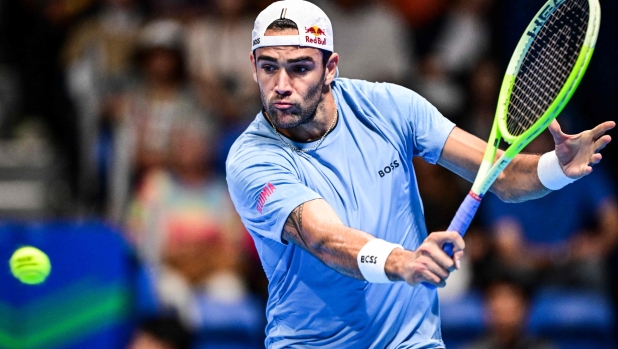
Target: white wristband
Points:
(550, 173)
(372, 258)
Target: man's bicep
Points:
(307, 225)
(462, 153)
(293, 228)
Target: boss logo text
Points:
(388, 169)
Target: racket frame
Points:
(489, 171)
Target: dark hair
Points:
(283, 24)
(141, 55)
(169, 330)
(512, 280)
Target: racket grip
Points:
(463, 218)
(461, 222)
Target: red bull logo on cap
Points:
(316, 31)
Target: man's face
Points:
(291, 81)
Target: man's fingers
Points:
(439, 239)
(452, 237)
(435, 253)
(457, 256)
(600, 129)
(602, 142)
(434, 274)
(556, 132)
(432, 265)
(438, 270)
(595, 159)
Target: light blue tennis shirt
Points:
(363, 169)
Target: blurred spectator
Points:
(161, 333)
(180, 10)
(420, 13)
(183, 223)
(9, 97)
(483, 89)
(99, 52)
(218, 54)
(98, 59)
(35, 32)
(507, 304)
(465, 37)
(145, 114)
(372, 40)
(563, 239)
(461, 42)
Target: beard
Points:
(299, 113)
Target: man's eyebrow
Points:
(301, 59)
(289, 61)
(266, 58)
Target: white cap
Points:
(314, 28)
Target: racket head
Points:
(546, 68)
(516, 95)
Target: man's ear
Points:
(253, 66)
(331, 68)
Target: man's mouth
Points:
(283, 105)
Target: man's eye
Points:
(300, 69)
(268, 68)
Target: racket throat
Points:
(483, 183)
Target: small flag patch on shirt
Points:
(268, 190)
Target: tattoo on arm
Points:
(335, 255)
(293, 228)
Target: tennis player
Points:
(323, 180)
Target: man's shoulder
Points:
(255, 146)
(360, 85)
(377, 91)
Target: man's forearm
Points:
(316, 228)
(463, 154)
(520, 181)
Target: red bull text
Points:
(316, 31)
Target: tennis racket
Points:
(544, 72)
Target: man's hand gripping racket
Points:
(544, 72)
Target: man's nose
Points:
(283, 86)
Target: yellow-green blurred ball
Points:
(30, 265)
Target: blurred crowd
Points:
(125, 110)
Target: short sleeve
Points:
(430, 129)
(414, 120)
(265, 188)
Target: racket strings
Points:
(534, 87)
(547, 64)
(542, 84)
(539, 85)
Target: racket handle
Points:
(463, 218)
(461, 222)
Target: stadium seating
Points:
(573, 319)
